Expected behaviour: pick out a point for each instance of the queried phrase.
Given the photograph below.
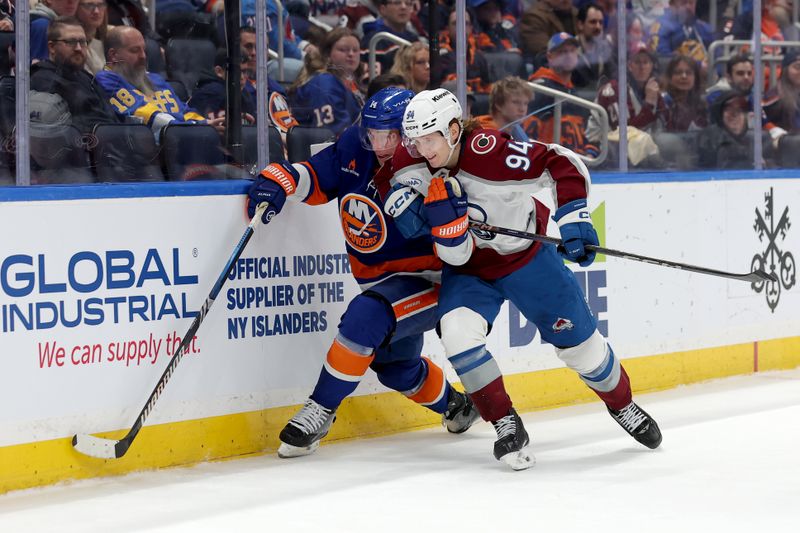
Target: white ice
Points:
(729, 462)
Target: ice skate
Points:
(511, 446)
(638, 424)
(302, 434)
(460, 414)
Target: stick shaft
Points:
(121, 447)
(753, 277)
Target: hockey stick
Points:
(755, 276)
(114, 449)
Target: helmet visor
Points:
(379, 140)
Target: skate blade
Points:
(287, 451)
(455, 428)
(519, 460)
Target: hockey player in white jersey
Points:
(466, 172)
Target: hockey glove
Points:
(446, 207)
(577, 231)
(274, 183)
(406, 206)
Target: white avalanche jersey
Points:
(499, 176)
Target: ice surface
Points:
(729, 462)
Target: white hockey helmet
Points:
(431, 111)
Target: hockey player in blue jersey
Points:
(134, 92)
(383, 326)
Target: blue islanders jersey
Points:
(376, 247)
(129, 101)
(325, 102)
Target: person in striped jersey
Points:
(383, 326)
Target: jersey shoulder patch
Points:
(484, 150)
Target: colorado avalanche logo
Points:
(483, 143)
(362, 223)
(562, 324)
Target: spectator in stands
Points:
(210, 96)
(294, 48)
(725, 144)
(478, 77)
(544, 19)
(94, 18)
(247, 42)
(395, 17)
(636, 32)
(776, 22)
(738, 77)
(280, 114)
(508, 106)
(495, 32)
(782, 103)
(385, 80)
(413, 62)
(562, 58)
(680, 32)
(63, 73)
(595, 55)
(686, 108)
(6, 15)
(143, 96)
(647, 110)
(649, 11)
(326, 92)
(41, 16)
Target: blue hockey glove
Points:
(577, 231)
(406, 206)
(272, 185)
(446, 207)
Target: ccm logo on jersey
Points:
(411, 182)
(362, 223)
(483, 143)
(399, 200)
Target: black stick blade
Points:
(759, 275)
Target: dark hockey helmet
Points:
(383, 113)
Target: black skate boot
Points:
(460, 414)
(302, 434)
(511, 446)
(638, 424)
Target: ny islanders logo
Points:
(362, 223)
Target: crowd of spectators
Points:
(101, 62)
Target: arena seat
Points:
(250, 142)
(192, 152)
(180, 89)
(187, 59)
(300, 138)
(125, 152)
(481, 105)
(7, 39)
(155, 60)
(8, 104)
(502, 64)
(58, 155)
